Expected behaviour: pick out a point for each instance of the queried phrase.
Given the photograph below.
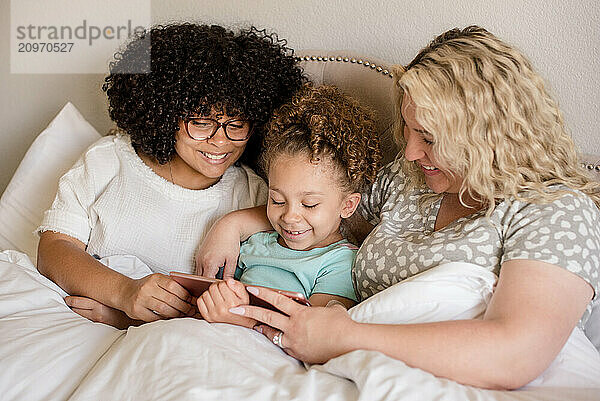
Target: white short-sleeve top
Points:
(116, 205)
(565, 233)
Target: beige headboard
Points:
(369, 80)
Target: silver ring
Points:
(277, 339)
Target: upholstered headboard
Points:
(369, 80)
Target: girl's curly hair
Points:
(194, 68)
(323, 122)
(492, 120)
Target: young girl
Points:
(320, 151)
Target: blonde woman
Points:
(488, 175)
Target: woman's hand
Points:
(154, 297)
(215, 303)
(311, 334)
(98, 312)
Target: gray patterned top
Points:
(565, 233)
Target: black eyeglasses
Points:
(202, 128)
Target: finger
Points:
(208, 271)
(271, 332)
(172, 286)
(228, 296)
(215, 294)
(171, 299)
(202, 308)
(143, 313)
(210, 268)
(207, 300)
(78, 302)
(339, 307)
(200, 269)
(162, 308)
(149, 316)
(279, 301)
(268, 331)
(238, 289)
(230, 266)
(86, 313)
(291, 353)
(193, 307)
(197, 265)
(174, 302)
(263, 315)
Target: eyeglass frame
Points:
(223, 125)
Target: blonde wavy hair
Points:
(492, 121)
(323, 122)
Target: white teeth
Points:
(214, 157)
(429, 167)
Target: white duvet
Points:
(49, 352)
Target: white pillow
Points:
(34, 185)
(592, 327)
(458, 290)
(449, 291)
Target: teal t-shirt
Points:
(325, 270)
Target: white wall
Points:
(562, 38)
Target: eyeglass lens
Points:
(202, 128)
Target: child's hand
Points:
(215, 303)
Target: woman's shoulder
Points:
(570, 208)
(569, 201)
(243, 181)
(393, 169)
(97, 156)
(341, 251)
(391, 176)
(245, 173)
(107, 146)
(110, 142)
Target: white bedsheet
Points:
(49, 352)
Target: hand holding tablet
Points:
(196, 285)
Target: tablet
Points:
(196, 285)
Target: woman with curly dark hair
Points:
(321, 151)
(175, 166)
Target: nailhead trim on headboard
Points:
(591, 166)
(341, 59)
(385, 71)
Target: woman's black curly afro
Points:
(195, 68)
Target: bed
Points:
(49, 352)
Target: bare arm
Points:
(531, 315)
(63, 259)
(221, 246)
(324, 299)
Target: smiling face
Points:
(202, 163)
(306, 202)
(419, 149)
